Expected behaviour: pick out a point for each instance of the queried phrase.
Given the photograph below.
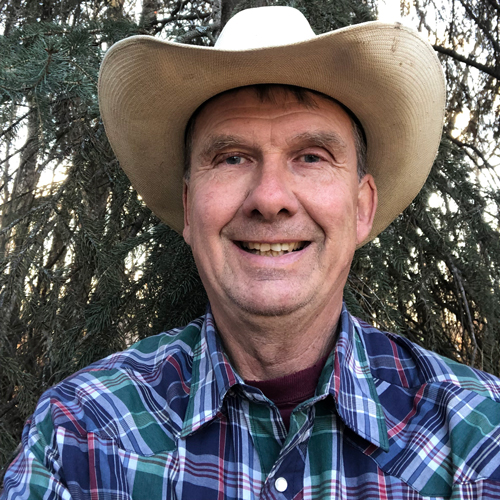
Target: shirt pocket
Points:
(150, 477)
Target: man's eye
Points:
(231, 159)
(234, 160)
(311, 158)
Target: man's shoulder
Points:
(154, 351)
(442, 417)
(145, 356)
(396, 360)
(144, 387)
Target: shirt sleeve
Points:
(35, 473)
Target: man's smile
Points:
(271, 249)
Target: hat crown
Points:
(264, 27)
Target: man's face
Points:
(273, 206)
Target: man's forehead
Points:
(273, 94)
(269, 94)
(233, 118)
(265, 102)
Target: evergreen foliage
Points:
(86, 269)
(466, 35)
(434, 274)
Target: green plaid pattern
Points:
(171, 419)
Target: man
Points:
(277, 392)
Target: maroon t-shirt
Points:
(289, 391)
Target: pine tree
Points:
(434, 275)
(86, 269)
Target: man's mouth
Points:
(272, 249)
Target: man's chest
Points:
(243, 454)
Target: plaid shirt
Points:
(170, 419)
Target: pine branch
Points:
(52, 262)
(179, 6)
(58, 33)
(455, 55)
(30, 192)
(74, 63)
(199, 32)
(19, 120)
(494, 4)
(30, 212)
(484, 28)
(45, 71)
(8, 406)
(160, 23)
(137, 225)
(50, 103)
(486, 163)
(17, 151)
(458, 279)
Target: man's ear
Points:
(186, 232)
(367, 206)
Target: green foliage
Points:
(325, 15)
(466, 37)
(86, 269)
(434, 274)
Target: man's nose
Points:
(271, 192)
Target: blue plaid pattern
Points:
(170, 419)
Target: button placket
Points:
(286, 477)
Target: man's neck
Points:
(263, 348)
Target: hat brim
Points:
(387, 75)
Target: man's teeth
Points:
(272, 249)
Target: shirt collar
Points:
(212, 378)
(346, 377)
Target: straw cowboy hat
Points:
(387, 75)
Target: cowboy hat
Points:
(386, 74)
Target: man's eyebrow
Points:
(217, 143)
(322, 139)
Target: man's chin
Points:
(265, 307)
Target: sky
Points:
(388, 11)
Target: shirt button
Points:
(281, 484)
